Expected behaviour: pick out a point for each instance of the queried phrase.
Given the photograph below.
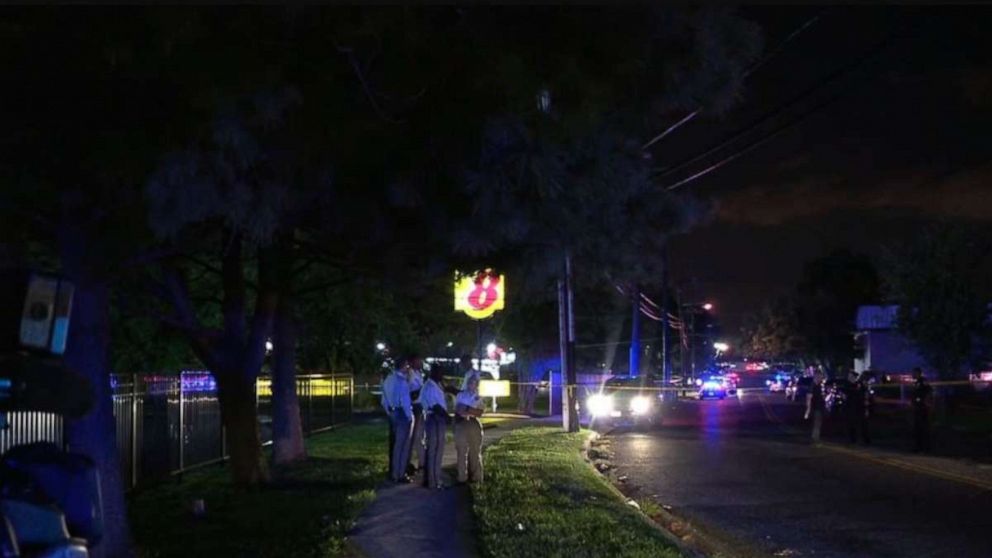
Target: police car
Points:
(623, 399)
(713, 387)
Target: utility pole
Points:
(666, 371)
(635, 336)
(566, 336)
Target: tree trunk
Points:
(239, 413)
(287, 428)
(87, 353)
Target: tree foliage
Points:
(940, 281)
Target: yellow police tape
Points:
(743, 389)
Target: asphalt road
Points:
(741, 468)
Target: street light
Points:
(721, 347)
(450, 344)
(380, 346)
(708, 306)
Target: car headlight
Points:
(640, 405)
(600, 405)
(711, 386)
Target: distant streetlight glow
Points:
(450, 344)
(708, 306)
(380, 346)
(269, 346)
(721, 347)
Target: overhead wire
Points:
(747, 73)
(844, 72)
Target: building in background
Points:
(883, 348)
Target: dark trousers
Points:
(921, 429)
(435, 427)
(403, 432)
(417, 446)
(392, 442)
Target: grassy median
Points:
(305, 512)
(542, 499)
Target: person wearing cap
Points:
(436, 420)
(417, 444)
(396, 402)
(468, 432)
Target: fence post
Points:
(134, 430)
(309, 390)
(182, 426)
(334, 396)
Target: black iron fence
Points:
(170, 424)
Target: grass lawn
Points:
(306, 512)
(542, 499)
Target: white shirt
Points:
(396, 393)
(469, 399)
(432, 395)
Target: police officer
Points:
(815, 405)
(468, 432)
(436, 419)
(396, 403)
(418, 445)
(922, 398)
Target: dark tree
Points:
(827, 298)
(940, 281)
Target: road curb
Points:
(671, 537)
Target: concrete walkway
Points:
(408, 520)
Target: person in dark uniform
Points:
(921, 401)
(418, 447)
(815, 405)
(857, 408)
(388, 380)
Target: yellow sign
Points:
(480, 294)
(494, 388)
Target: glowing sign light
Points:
(480, 294)
(494, 388)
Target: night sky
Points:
(904, 138)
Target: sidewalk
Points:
(408, 520)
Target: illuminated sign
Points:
(480, 294)
(494, 388)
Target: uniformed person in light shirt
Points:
(396, 402)
(436, 420)
(418, 446)
(468, 431)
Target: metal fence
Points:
(170, 424)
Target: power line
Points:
(844, 72)
(747, 73)
(753, 145)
